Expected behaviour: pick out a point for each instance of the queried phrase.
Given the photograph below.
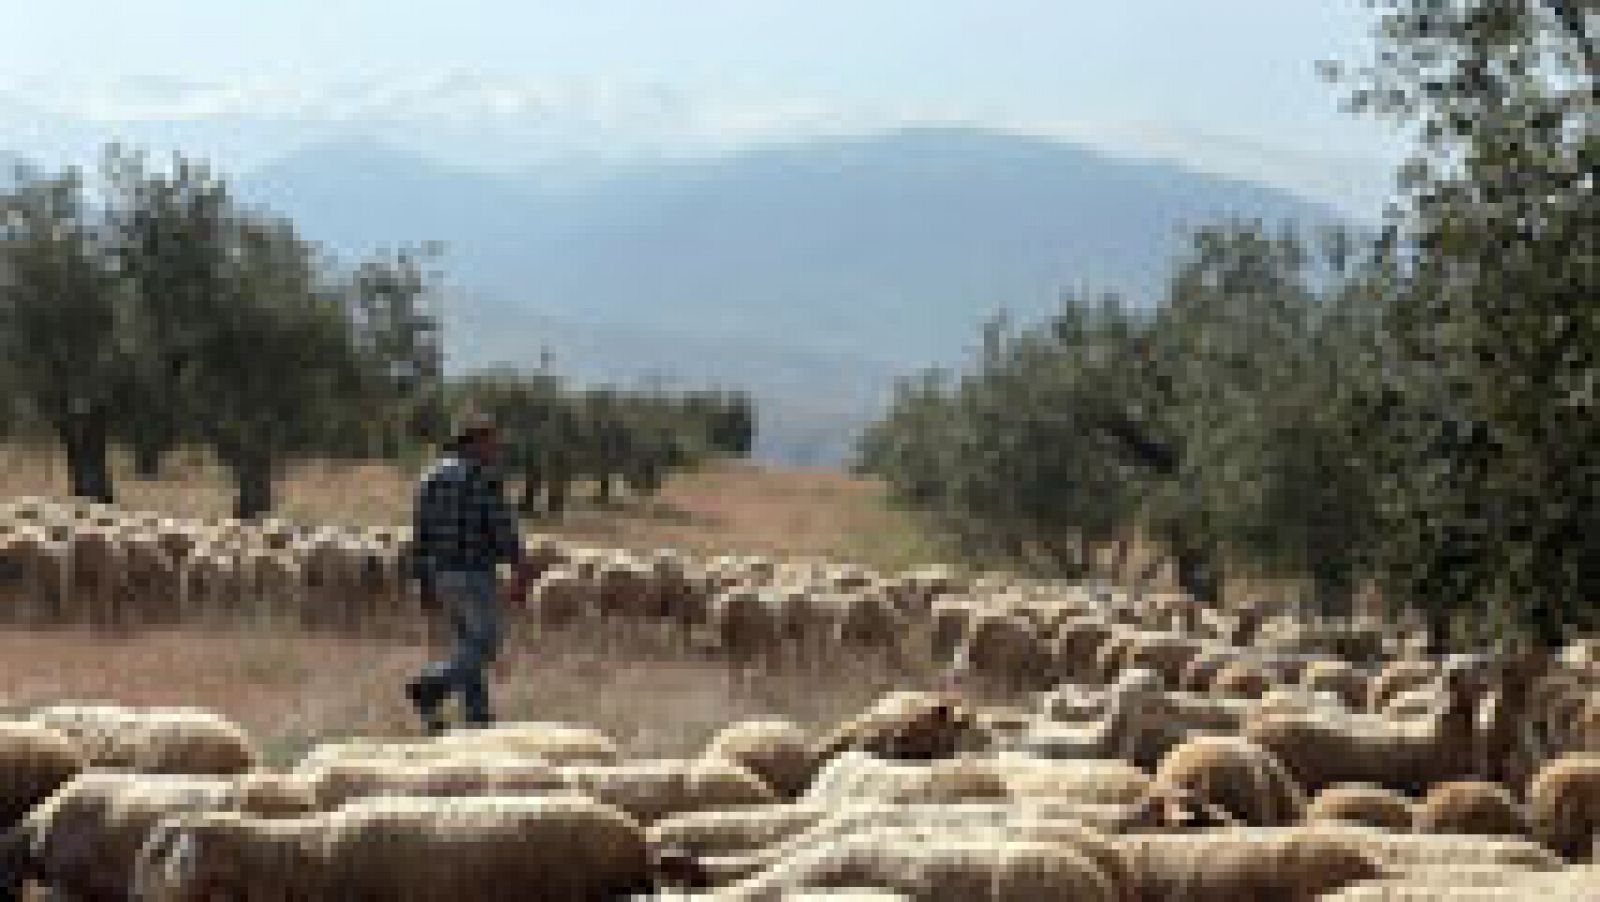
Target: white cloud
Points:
(488, 120)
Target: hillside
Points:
(809, 272)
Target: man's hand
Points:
(516, 592)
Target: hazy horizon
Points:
(512, 87)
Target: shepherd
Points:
(463, 532)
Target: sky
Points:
(1227, 85)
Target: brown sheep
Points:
(1564, 805)
(1364, 804)
(34, 762)
(1241, 778)
(907, 725)
(777, 751)
(1366, 748)
(1472, 807)
(1008, 650)
(746, 626)
(1263, 865)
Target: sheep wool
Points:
(777, 751)
(1564, 806)
(1240, 777)
(939, 870)
(1470, 807)
(548, 849)
(651, 790)
(1263, 865)
(1364, 804)
(34, 762)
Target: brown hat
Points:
(471, 425)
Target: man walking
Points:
(463, 530)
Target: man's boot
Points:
(426, 694)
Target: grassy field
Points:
(290, 687)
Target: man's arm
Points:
(505, 537)
(419, 559)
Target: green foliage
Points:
(174, 315)
(62, 313)
(1491, 487)
(1211, 424)
(555, 435)
(1419, 409)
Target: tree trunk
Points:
(1333, 596)
(1197, 575)
(532, 486)
(86, 438)
(556, 495)
(1517, 674)
(253, 480)
(147, 455)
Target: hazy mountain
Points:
(809, 271)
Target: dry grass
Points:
(290, 688)
(726, 508)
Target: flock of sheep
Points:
(1108, 745)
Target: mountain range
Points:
(810, 272)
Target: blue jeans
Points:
(469, 599)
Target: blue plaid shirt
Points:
(462, 521)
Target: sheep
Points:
(1240, 777)
(154, 740)
(1336, 676)
(1006, 649)
(1398, 677)
(745, 625)
(83, 839)
(777, 751)
(1071, 703)
(555, 848)
(1365, 804)
(1263, 865)
(556, 743)
(1096, 782)
(861, 777)
(34, 762)
(340, 782)
(1139, 724)
(1242, 679)
(1406, 755)
(1477, 885)
(1563, 806)
(907, 725)
(1472, 807)
(722, 832)
(937, 869)
(1165, 653)
(1075, 647)
(1405, 852)
(1201, 672)
(653, 789)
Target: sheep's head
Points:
(1167, 807)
